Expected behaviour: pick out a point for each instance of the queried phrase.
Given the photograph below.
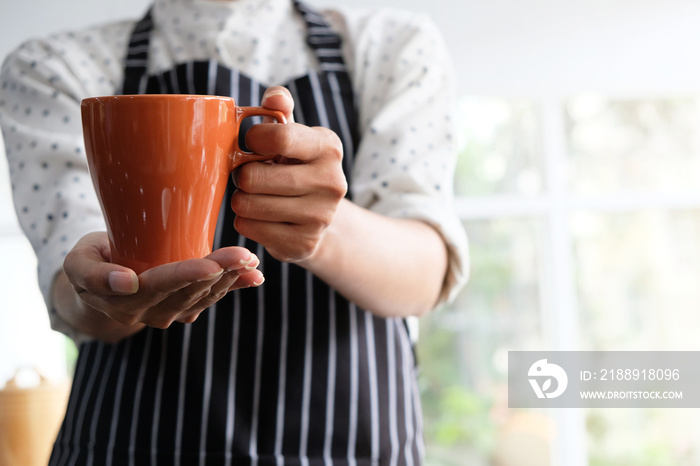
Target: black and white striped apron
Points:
(289, 373)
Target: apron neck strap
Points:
(325, 43)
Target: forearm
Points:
(392, 267)
(85, 319)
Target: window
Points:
(584, 217)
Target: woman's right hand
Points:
(110, 302)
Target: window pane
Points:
(643, 437)
(499, 147)
(462, 350)
(638, 276)
(618, 145)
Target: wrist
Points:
(327, 256)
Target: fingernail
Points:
(235, 176)
(247, 264)
(251, 264)
(272, 94)
(262, 280)
(212, 276)
(123, 282)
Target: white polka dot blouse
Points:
(397, 61)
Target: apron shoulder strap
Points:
(136, 66)
(325, 42)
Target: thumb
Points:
(88, 268)
(279, 98)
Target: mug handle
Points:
(239, 156)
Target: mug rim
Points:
(106, 98)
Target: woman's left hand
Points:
(287, 204)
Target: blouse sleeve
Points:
(41, 86)
(405, 163)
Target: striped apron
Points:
(289, 373)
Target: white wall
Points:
(22, 19)
(538, 47)
(523, 47)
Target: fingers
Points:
(184, 304)
(295, 141)
(234, 258)
(199, 298)
(284, 241)
(187, 304)
(286, 180)
(312, 209)
(279, 98)
(163, 281)
(159, 296)
(315, 153)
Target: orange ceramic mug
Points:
(160, 164)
